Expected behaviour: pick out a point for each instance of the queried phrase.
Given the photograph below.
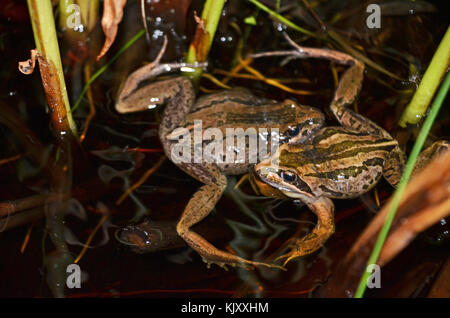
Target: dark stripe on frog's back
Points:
(237, 96)
(235, 114)
(277, 114)
(330, 131)
(310, 154)
(326, 149)
(348, 172)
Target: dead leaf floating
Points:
(112, 16)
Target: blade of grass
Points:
(282, 19)
(105, 67)
(403, 182)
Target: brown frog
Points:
(313, 164)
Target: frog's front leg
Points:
(200, 205)
(324, 210)
(177, 93)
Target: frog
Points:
(302, 134)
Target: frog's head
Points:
(306, 120)
(269, 178)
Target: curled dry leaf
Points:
(112, 16)
(27, 67)
(52, 88)
(201, 40)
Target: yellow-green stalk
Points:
(430, 82)
(43, 23)
(88, 14)
(201, 45)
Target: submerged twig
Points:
(26, 239)
(141, 180)
(92, 111)
(10, 159)
(90, 238)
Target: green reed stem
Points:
(105, 67)
(64, 12)
(212, 11)
(43, 23)
(438, 101)
(89, 12)
(429, 84)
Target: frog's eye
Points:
(292, 131)
(288, 176)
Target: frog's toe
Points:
(323, 208)
(302, 247)
(295, 252)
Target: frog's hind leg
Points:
(200, 205)
(394, 165)
(345, 95)
(324, 209)
(348, 88)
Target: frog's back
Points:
(239, 108)
(238, 97)
(339, 162)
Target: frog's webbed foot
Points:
(134, 98)
(323, 208)
(198, 208)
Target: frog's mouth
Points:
(264, 186)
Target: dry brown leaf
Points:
(27, 67)
(52, 88)
(112, 16)
(201, 40)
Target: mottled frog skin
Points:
(313, 164)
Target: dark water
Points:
(251, 226)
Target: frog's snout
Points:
(261, 186)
